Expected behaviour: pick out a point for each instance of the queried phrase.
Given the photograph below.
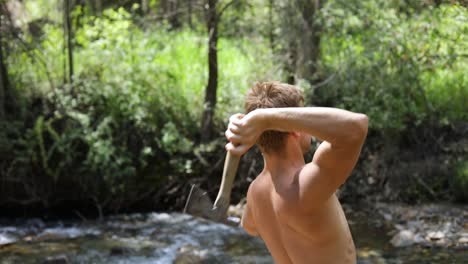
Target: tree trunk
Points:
(4, 82)
(189, 15)
(95, 6)
(68, 31)
(145, 7)
(169, 10)
(291, 63)
(310, 41)
(98, 6)
(174, 14)
(271, 34)
(210, 93)
(291, 33)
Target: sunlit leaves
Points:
(400, 64)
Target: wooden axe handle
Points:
(229, 173)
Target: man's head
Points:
(272, 95)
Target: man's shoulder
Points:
(308, 172)
(255, 186)
(258, 186)
(312, 187)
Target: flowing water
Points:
(161, 238)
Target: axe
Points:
(199, 204)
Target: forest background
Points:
(119, 106)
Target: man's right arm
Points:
(337, 126)
(342, 132)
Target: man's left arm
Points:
(247, 221)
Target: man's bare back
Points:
(293, 235)
(292, 205)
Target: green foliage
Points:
(43, 156)
(171, 65)
(130, 119)
(173, 141)
(131, 115)
(401, 68)
(459, 181)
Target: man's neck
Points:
(285, 162)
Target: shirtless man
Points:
(292, 205)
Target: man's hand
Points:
(243, 131)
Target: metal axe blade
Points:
(199, 203)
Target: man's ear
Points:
(295, 134)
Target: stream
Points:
(161, 238)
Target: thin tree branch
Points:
(220, 13)
(326, 81)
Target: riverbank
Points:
(436, 231)
(176, 238)
(428, 225)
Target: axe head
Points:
(199, 204)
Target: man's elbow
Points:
(363, 123)
(249, 230)
(360, 125)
